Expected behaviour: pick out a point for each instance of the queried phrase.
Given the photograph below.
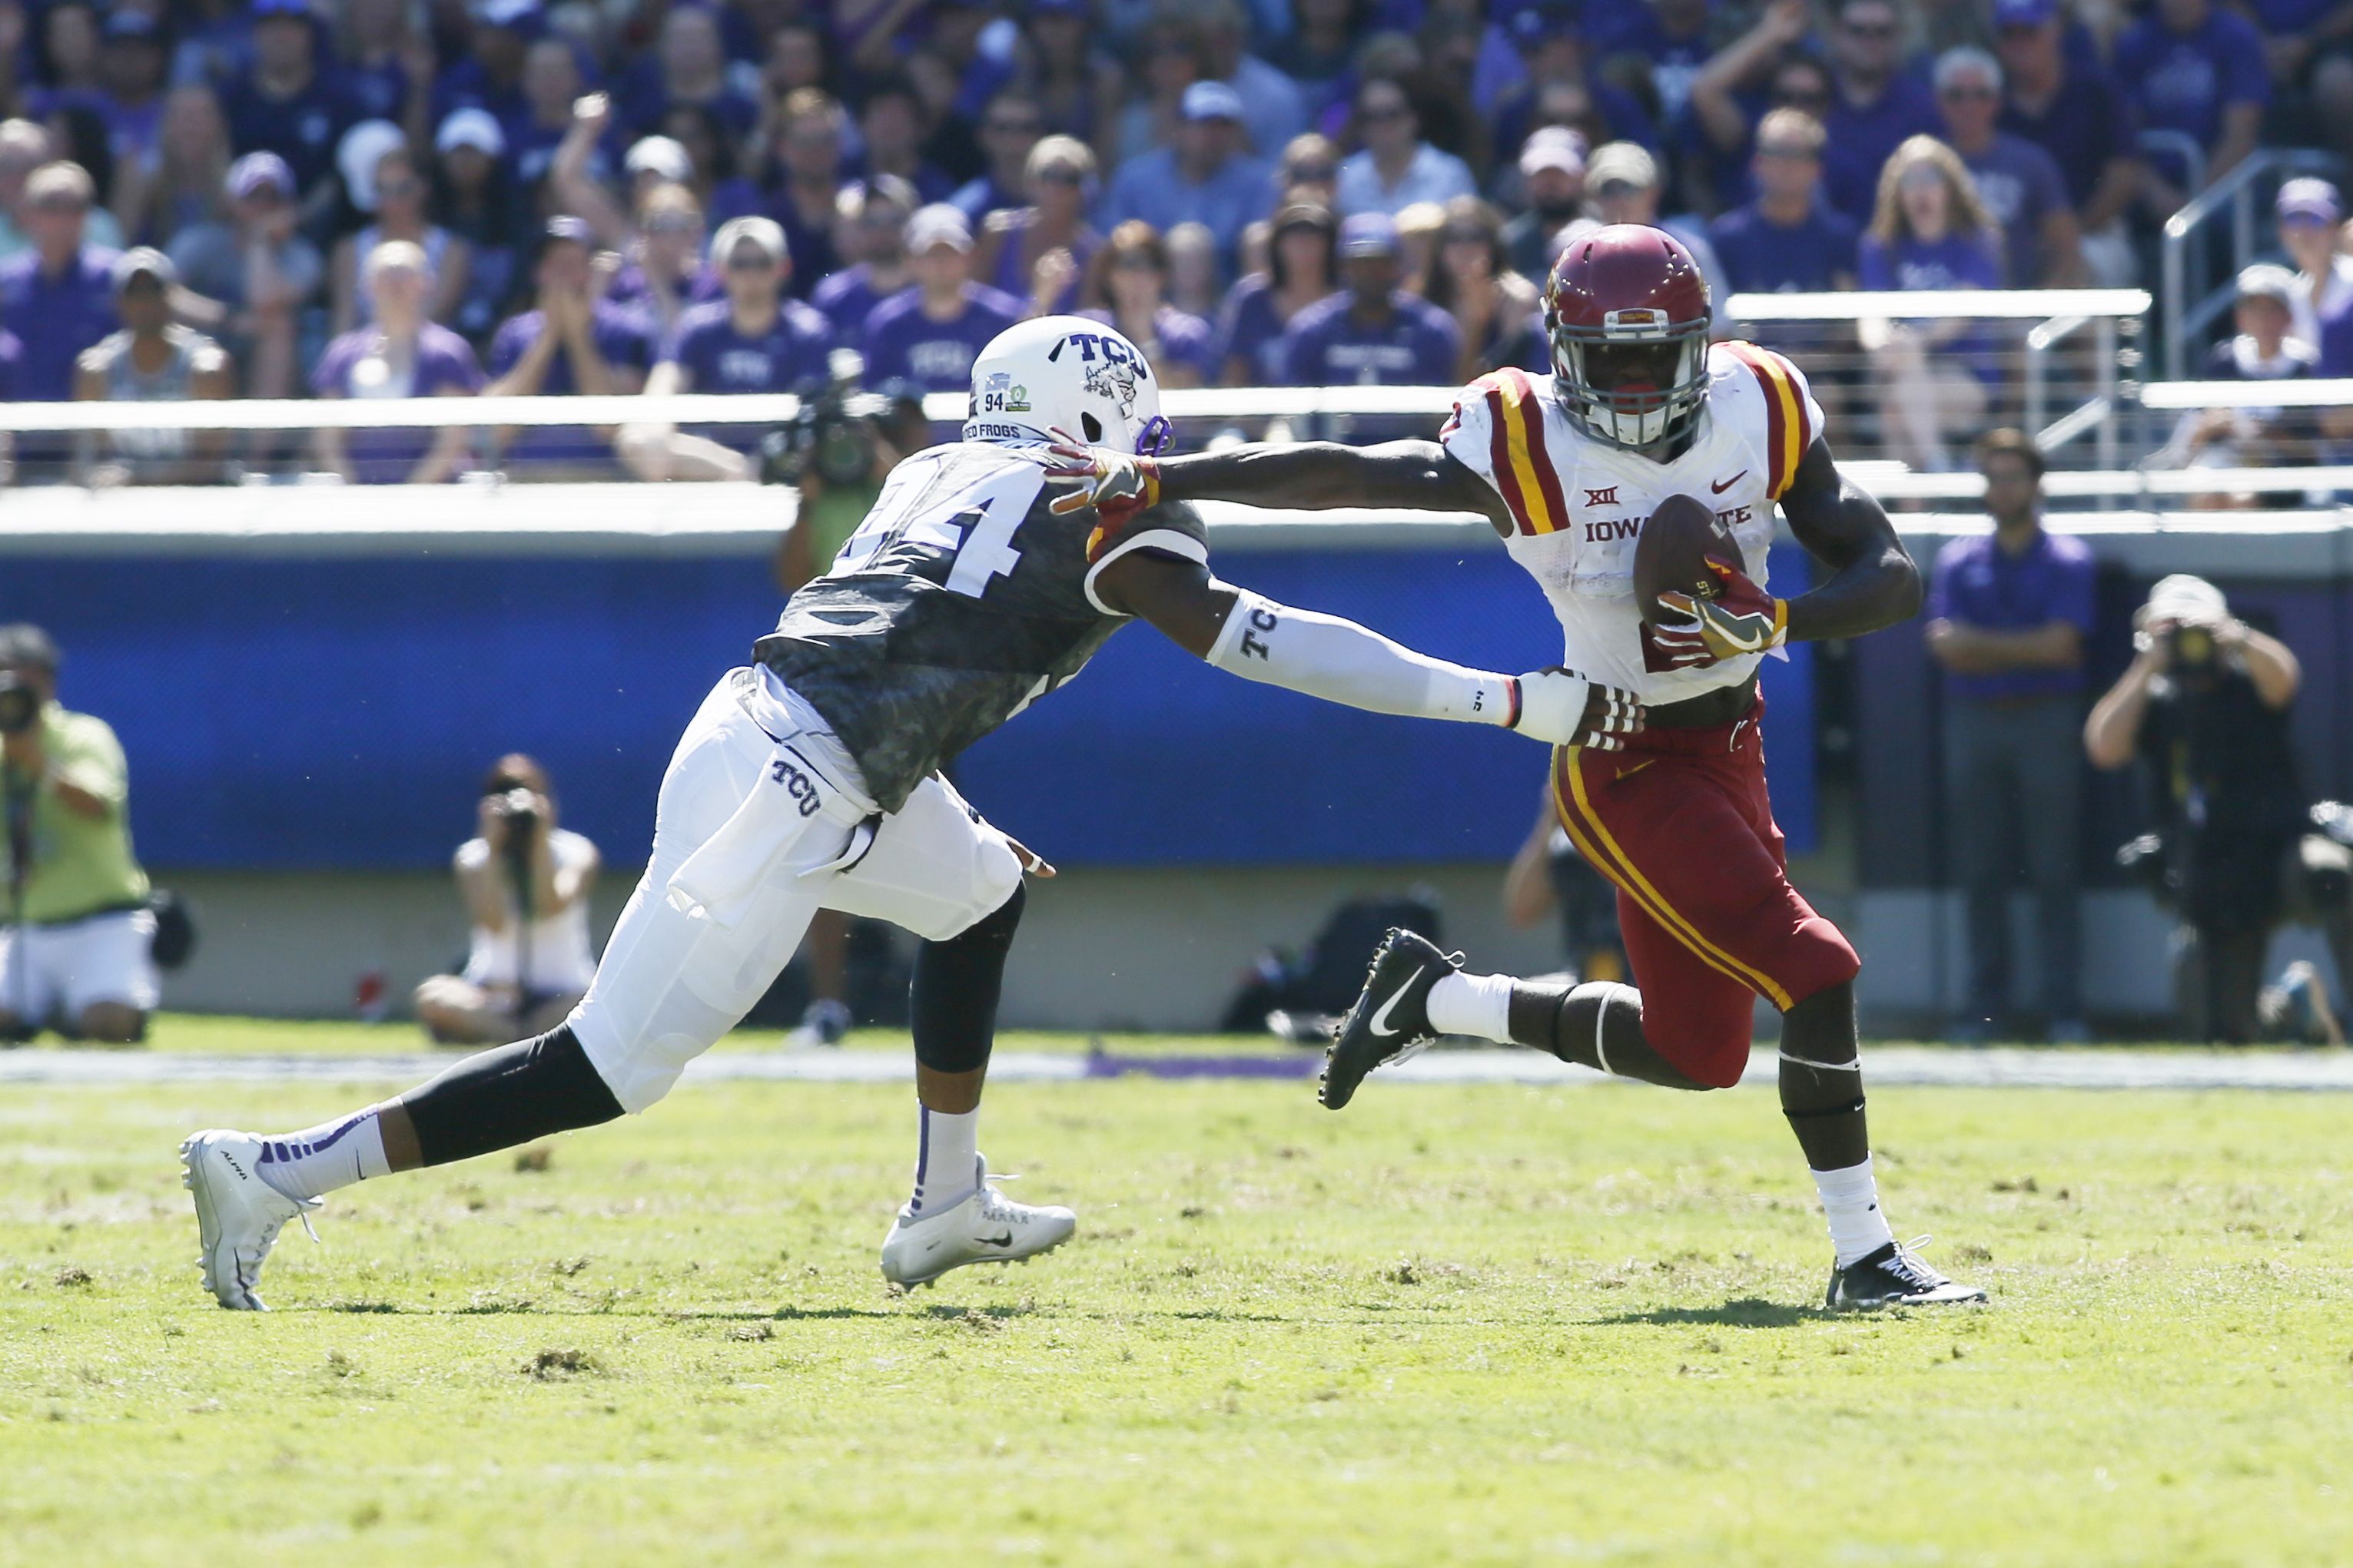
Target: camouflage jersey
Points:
(960, 600)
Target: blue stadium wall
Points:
(337, 712)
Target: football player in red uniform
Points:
(1642, 405)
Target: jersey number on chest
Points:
(961, 549)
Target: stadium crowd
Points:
(367, 198)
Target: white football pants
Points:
(790, 828)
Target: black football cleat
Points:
(1390, 1019)
(1896, 1276)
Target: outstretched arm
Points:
(1872, 582)
(1343, 662)
(1417, 476)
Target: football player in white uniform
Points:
(810, 779)
(1641, 407)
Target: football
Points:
(1673, 551)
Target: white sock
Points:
(1851, 1200)
(1479, 1005)
(947, 1155)
(317, 1160)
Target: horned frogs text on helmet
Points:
(1627, 310)
(1066, 375)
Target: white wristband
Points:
(1340, 661)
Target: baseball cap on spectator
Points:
(24, 646)
(938, 223)
(1304, 214)
(2310, 198)
(357, 154)
(258, 172)
(1369, 234)
(764, 232)
(144, 261)
(572, 230)
(1552, 147)
(475, 128)
(2023, 13)
(515, 16)
(661, 156)
(296, 9)
(1621, 163)
(2266, 281)
(1212, 100)
(126, 25)
(1534, 22)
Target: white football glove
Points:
(1562, 707)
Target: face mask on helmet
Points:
(1632, 386)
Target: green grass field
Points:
(1453, 1325)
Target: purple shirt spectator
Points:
(846, 298)
(1761, 257)
(12, 359)
(55, 318)
(2021, 186)
(900, 340)
(2084, 128)
(632, 290)
(355, 366)
(1153, 188)
(718, 358)
(2184, 81)
(1956, 261)
(1247, 326)
(621, 337)
(302, 128)
(1861, 138)
(1328, 346)
(1979, 583)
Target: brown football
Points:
(1671, 554)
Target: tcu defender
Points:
(1640, 407)
(810, 780)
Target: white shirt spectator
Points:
(1432, 176)
(2335, 299)
(562, 961)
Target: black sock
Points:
(1822, 1084)
(508, 1094)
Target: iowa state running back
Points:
(1642, 405)
(810, 780)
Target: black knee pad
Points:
(509, 1095)
(951, 1000)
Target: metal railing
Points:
(2188, 271)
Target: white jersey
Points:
(1577, 505)
(561, 959)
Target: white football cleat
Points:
(986, 1227)
(238, 1214)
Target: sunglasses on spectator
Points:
(2305, 220)
(1463, 236)
(1810, 98)
(1964, 94)
(1382, 116)
(1789, 152)
(1314, 173)
(1013, 127)
(401, 187)
(674, 223)
(1062, 175)
(753, 261)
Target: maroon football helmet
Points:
(1627, 310)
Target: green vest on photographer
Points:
(77, 865)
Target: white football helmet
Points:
(1066, 375)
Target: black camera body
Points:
(825, 437)
(2192, 647)
(20, 704)
(520, 809)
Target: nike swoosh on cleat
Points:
(1381, 1017)
(1005, 1240)
(1719, 487)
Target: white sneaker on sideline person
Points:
(239, 1213)
(986, 1227)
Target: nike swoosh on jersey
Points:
(1720, 486)
(1381, 1017)
(1637, 767)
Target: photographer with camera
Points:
(2204, 709)
(525, 883)
(76, 952)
